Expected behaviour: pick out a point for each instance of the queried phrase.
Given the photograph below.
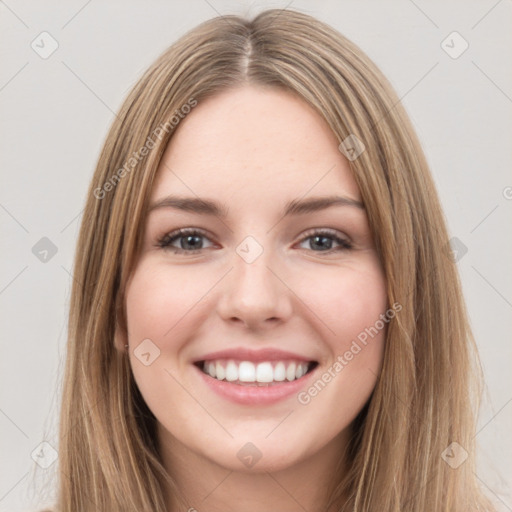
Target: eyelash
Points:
(165, 241)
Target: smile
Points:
(255, 384)
(264, 373)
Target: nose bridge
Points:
(252, 278)
(253, 293)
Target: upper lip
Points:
(245, 354)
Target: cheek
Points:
(159, 306)
(166, 305)
(346, 300)
(351, 304)
(159, 300)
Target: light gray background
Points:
(55, 113)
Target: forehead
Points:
(253, 143)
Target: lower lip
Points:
(255, 395)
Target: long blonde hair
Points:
(427, 393)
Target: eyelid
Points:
(164, 242)
(338, 237)
(327, 231)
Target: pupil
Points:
(323, 240)
(193, 240)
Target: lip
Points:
(255, 356)
(256, 395)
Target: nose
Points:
(254, 294)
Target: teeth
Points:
(231, 372)
(220, 372)
(264, 372)
(247, 371)
(290, 372)
(280, 372)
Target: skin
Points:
(254, 149)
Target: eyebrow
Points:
(295, 207)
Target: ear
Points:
(120, 333)
(120, 338)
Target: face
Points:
(263, 282)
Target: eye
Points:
(322, 239)
(189, 241)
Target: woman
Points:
(265, 313)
